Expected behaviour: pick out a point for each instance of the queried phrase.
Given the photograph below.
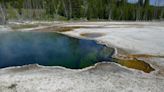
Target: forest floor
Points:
(132, 40)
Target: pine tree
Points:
(76, 9)
(140, 3)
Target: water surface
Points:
(50, 49)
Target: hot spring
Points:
(50, 49)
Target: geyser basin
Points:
(50, 49)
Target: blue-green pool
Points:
(50, 49)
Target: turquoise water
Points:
(50, 49)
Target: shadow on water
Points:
(50, 49)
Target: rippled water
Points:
(50, 49)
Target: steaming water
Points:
(5, 29)
(50, 49)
